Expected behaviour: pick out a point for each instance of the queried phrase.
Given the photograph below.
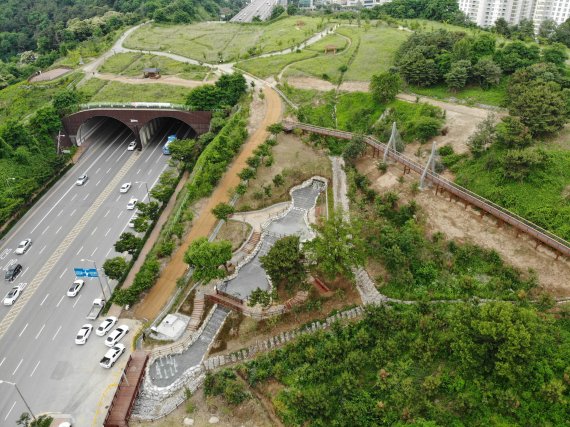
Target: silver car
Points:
(81, 180)
(24, 246)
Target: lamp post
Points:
(18, 390)
(98, 277)
(146, 186)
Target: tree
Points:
(417, 69)
(547, 29)
(355, 148)
(487, 72)
(338, 246)
(292, 9)
(483, 137)
(385, 86)
(222, 211)
(542, 106)
(259, 296)
(206, 257)
(276, 12)
(275, 128)
(512, 133)
(149, 210)
(502, 27)
(129, 243)
(458, 75)
(205, 97)
(278, 180)
(115, 267)
(66, 101)
(555, 54)
(40, 421)
(519, 164)
(284, 263)
(562, 34)
(184, 150)
(516, 55)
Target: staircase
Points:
(197, 311)
(252, 242)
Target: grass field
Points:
(213, 41)
(335, 40)
(109, 91)
(132, 64)
(471, 95)
(23, 99)
(272, 66)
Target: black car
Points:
(13, 272)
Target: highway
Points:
(70, 223)
(261, 8)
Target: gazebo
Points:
(151, 73)
(330, 48)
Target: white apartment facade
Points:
(485, 12)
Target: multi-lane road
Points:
(69, 224)
(260, 8)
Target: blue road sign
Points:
(80, 272)
(91, 272)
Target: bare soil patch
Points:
(310, 83)
(234, 231)
(465, 224)
(296, 161)
(50, 75)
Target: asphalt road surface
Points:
(70, 223)
(261, 8)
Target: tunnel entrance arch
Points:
(138, 117)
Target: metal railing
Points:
(141, 105)
(540, 234)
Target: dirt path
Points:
(150, 307)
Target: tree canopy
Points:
(206, 258)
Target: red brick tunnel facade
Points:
(134, 118)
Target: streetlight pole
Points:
(145, 186)
(24, 400)
(98, 277)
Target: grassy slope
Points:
(471, 95)
(109, 91)
(272, 66)
(204, 41)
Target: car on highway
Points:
(132, 146)
(81, 180)
(23, 246)
(132, 203)
(111, 356)
(12, 296)
(75, 288)
(13, 272)
(106, 325)
(132, 221)
(116, 336)
(125, 187)
(83, 334)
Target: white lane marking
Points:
(108, 231)
(17, 367)
(94, 230)
(8, 414)
(73, 212)
(38, 364)
(60, 212)
(63, 296)
(139, 171)
(97, 183)
(157, 160)
(120, 213)
(76, 301)
(45, 229)
(58, 329)
(85, 198)
(117, 199)
(74, 196)
(97, 171)
(3, 360)
(42, 249)
(93, 253)
(61, 275)
(25, 271)
(80, 249)
(23, 330)
(108, 252)
(106, 213)
(149, 172)
(44, 300)
(5, 253)
(119, 158)
(58, 230)
(108, 170)
(40, 332)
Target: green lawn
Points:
(471, 94)
(23, 99)
(123, 92)
(132, 64)
(357, 111)
(212, 41)
(336, 40)
(272, 66)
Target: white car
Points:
(125, 187)
(75, 288)
(132, 146)
(115, 336)
(81, 180)
(132, 221)
(132, 203)
(13, 295)
(111, 356)
(23, 246)
(83, 333)
(106, 325)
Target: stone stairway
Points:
(366, 288)
(252, 242)
(197, 311)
